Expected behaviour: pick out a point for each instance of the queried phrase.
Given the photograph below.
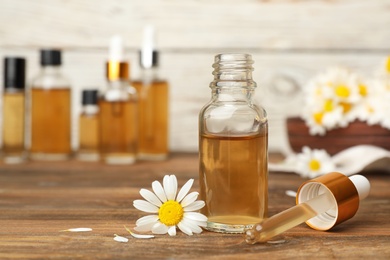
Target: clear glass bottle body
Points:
(13, 150)
(50, 101)
(89, 133)
(233, 143)
(152, 115)
(118, 123)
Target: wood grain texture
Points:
(37, 200)
(290, 42)
(287, 24)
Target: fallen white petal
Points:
(150, 197)
(145, 206)
(291, 193)
(141, 236)
(189, 198)
(77, 230)
(185, 189)
(120, 239)
(196, 205)
(138, 235)
(159, 191)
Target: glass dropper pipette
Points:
(323, 203)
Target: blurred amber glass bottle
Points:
(13, 150)
(50, 110)
(89, 127)
(153, 104)
(118, 111)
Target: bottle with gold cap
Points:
(153, 103)
(118, 110)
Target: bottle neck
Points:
(149, 74)
(233, 77)
(51, 69)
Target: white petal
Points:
(146, 220)
(200, 223)
(150, 196)
(172, 230)
(141, 236)
(174, 181)
(192, 225)
(159, 191)
(159, 228)
(78, 230)
(196, 205)
(145, 206)
(195, 216)
(189, 198)
(170, 186)
(185, 189)
(185, 229)
(120, 239)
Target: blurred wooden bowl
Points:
(336, 140)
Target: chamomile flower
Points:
(170, 208)
(313, 163)
(332, 99)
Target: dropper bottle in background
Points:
(89, 127)
(50, 110)
(13, 150)
(118, 110)
(153, 103)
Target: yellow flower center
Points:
(342, 91)
(314, 165)
(171, 213)
(362, 90)
(328, 106)
(346, 107)
(318, 117)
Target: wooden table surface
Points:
(39, 199)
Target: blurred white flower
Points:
(338, 97)
(313, 163)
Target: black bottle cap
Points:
(50, 57)
(14, 72)
(90, 97)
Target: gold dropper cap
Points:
(345, 196)
(117, 70)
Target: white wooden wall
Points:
(290, 40)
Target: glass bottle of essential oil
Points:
(153, 104)
(89, 127)
(13, 150)
(118, 111)
(50, 110)
(233, 144)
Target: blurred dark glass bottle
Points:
(13, 150)
(50, 110)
